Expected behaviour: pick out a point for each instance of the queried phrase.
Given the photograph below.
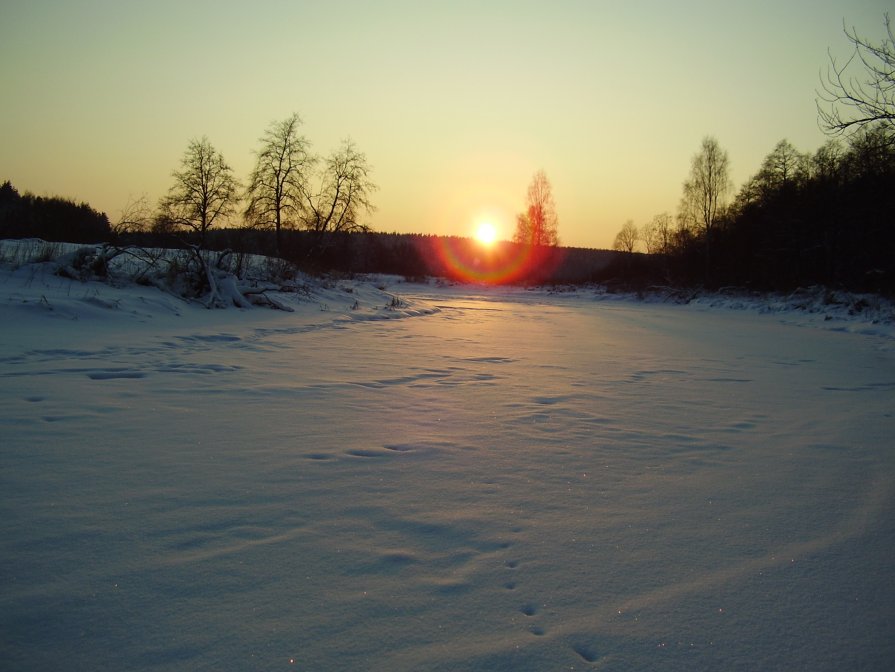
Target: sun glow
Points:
(486, 234)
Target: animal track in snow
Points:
(587, 651)
(490, 360)
(114, 374)
(400, 448)
(366, 453)
(211, 338)
(198, 368)
(529, 609)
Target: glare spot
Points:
(486, 233)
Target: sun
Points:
(486, 234)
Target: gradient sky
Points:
(456, 104)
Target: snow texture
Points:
(424, 477)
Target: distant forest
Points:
(55, 219)
(826, 218)
(410, 255)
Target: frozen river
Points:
(514, 481)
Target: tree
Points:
(706, 190)
(782, 170)
(345, 192)
(204, 190)
(827, 160)
(783, 167)
(279, 181)
(848, 101)
(523, 234)
(657, 234)
(705, 193)
(871, 152)
(626, 239)
(8, 194)
(538, 225)
(136, 216)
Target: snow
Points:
(430, 477)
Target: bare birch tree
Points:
(657, 234)
(279, 181)
(345, 192)
(538, 225)
(706, 191)
(705, 195)
(626, 239)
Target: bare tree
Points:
(848, 100)
(657, 234)
(538, 225)
(279, 181)
(204, 190)
(826, 162)
(626, 239)
(523, 234)
(345, 192)
(706, 191)
(136, 215)
(871, 151)
(705, 194)
(783, 167)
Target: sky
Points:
(455, 104)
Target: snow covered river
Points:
(514, 481)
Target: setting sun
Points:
(486, 233)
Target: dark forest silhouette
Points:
(802, 219)
(50, 218)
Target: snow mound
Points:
(72, 282)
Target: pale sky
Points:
(456, 104)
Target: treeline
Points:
(413, 256)
(51, 218)
(824, 218)
(409, 255)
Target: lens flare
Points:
(466, 260)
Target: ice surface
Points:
(497, 480)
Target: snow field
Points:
(498, 480)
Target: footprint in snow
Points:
(529, 609)
(587, 651)
(114, 375)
